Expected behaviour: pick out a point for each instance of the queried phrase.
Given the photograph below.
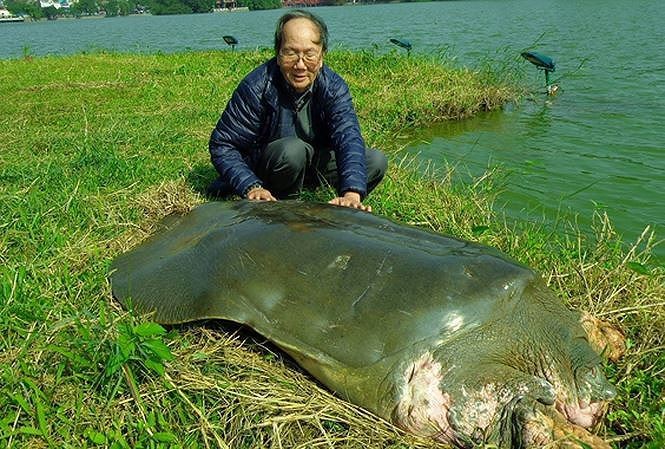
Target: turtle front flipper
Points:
(496, 404)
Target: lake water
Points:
(598, 145)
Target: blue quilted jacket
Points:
(250, 122)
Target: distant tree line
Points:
(112, 8)
(161, 7)
(30, 9)
(158, 7)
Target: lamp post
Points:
(230, 40)
(402, 43)
(545, 63)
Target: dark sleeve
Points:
(236, 133)
(346, 139)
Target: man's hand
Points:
(350, 199)
(260, 194)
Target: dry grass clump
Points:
(170, 197)
(255, 398)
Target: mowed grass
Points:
(95, 149)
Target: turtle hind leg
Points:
(605, 338)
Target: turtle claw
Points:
(567, 435)
(538, 426)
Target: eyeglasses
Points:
(291, 57)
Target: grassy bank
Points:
(94, 149)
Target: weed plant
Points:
(95, 149)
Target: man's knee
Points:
(288, 154)
(377, 165)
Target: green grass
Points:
(95, 149)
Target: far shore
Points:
(89, 17)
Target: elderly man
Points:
(291, 124)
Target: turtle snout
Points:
(595, 386)
(588, 404)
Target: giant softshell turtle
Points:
(446, 338)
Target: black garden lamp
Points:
(542, 62)
(402, 43)
(230, 40)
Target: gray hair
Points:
(300, 14)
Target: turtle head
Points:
(497, 404)
(526, 387)
(551, 345)
(581, 386)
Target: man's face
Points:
(301, 55)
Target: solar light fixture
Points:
(230, 40)
(542, 62)
(402, 43)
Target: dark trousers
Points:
(289, 164)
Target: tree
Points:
(32, 9)
(200, 6)
(260, 4)
(88, 7)
(126, 7)
(112, 8)
(159, 7)
(51, 13)
(14, 7)
(162, 7)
